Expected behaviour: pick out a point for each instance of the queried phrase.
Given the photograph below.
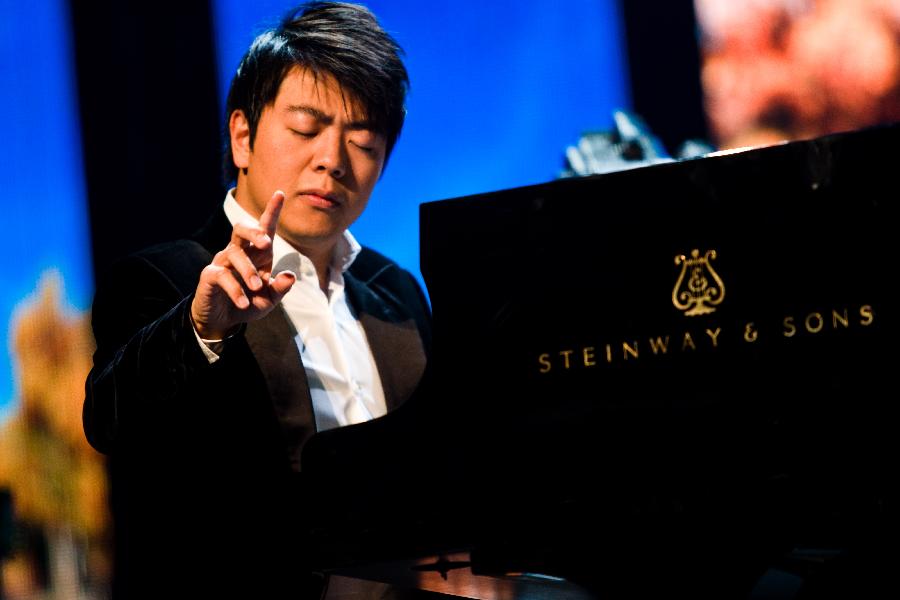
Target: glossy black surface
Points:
(695, 469)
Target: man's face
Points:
(315, 145)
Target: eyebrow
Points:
(325, 119)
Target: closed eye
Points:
(304, 134)
(366, 149)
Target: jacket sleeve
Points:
(146, 353)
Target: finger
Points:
(224, 278)
(269, 219)
(244, 235)
(238, 260)
(280, 284)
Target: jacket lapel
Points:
(392, 335)
(393, 338)
(271, 339)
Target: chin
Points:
(307, 237)
(310, 228)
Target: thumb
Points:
(281, 283)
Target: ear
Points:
(239, 130)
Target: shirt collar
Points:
(345, 251)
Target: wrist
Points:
(207, 333)
(210, 335)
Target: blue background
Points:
(499, 89)
(42, 186)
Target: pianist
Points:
(218, 356)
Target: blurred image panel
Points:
(54, 527)
(778, 70)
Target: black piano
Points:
(672, 380)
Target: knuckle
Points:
(236, 255)
(223, 276)
(243, 231)
(209, 271)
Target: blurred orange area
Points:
(56, 480)
(777, 70)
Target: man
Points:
(219, 356)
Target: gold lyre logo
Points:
(699, 288)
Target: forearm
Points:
(146, 352)
(141, 381)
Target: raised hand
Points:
(238, 286)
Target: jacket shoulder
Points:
(178, 263)
(396, 286)
(174, 255)
(370, 264)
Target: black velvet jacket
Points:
(207, 493)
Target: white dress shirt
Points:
(343, 378)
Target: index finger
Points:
(268, 221)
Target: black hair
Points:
(344, 41)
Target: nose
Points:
(330, 156)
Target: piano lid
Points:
(677, 286)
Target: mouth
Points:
(319, 198)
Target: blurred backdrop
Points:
(113, 112)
